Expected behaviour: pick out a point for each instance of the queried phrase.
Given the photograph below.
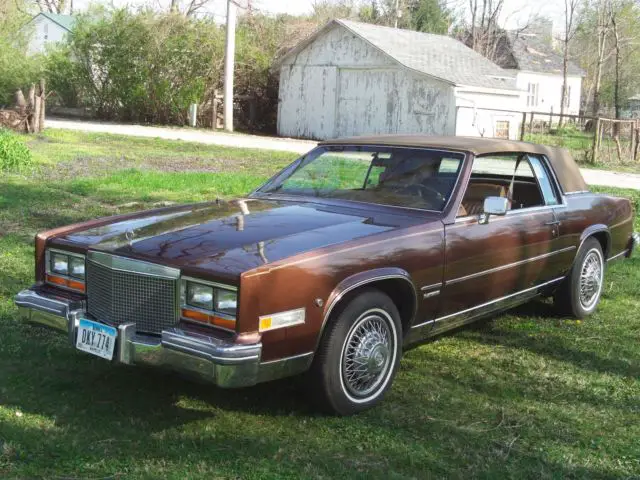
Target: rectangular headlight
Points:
(226, 301)
(65, 269)
(76, 267)
(199, 296)
(210, 297)
(59, 263)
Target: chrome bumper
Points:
(216, 360)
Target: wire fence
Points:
(591, 140)
(616, 141)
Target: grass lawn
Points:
(524, 395)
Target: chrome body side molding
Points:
(509, 265)
(457, 319)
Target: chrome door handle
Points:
(554, 222)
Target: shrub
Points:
(148, 67)
(15, 156)
(137, 66)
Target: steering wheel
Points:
(424, 191)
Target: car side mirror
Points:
(494, 206)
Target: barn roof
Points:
(438, 56)
(65, 21)
(533, 54)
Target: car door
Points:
(488, 265)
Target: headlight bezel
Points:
(65, 279)
(198, 313)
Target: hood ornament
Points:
(129, 235)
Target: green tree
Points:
(17, 69)
(607, 46)
(430, 16)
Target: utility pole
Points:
(229, 60)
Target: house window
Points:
(532, 94)
(46, 31)
(567, 98)
(502, 129)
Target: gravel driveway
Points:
(592, 177)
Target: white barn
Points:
(352, 78)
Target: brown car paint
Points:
(289, 253)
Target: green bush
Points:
(15, 156)
(137, 66)
(148, 67)
(17, 70)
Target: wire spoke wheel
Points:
(591, 279)
(367, 354)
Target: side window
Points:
(544, 180)
(523, 179)
(490, 177)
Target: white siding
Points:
(478, 114)
(340, 85)
(45, 32)
(378, 101)
(307, 106)
(550, 91)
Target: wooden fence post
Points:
(43, 101)
(636, 136)
(522, 125)
(216, 105)
(632, 127)
(531, 124)
(596, 142)
(214, 108)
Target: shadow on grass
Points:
(129, 415)
(25, 206)
(557, 347)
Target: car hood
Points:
(229, 238)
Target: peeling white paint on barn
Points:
(340, 84)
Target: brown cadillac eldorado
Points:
(358, 250)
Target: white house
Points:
(538, 71)
(352, 78)
(48, 28)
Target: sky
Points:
(515, 12)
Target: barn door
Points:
(368, 102)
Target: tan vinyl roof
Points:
(565, 167)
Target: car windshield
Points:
(405, 177)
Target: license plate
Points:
(96, 338)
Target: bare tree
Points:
(52, 6)
(613, 17)
(603, 28)
(484, 33)
(570, 11)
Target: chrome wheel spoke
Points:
(590, 279)
(367, 355)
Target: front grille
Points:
(117, 297)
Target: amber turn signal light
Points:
(208, 319)
(66, 282)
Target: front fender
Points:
(362, 279)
